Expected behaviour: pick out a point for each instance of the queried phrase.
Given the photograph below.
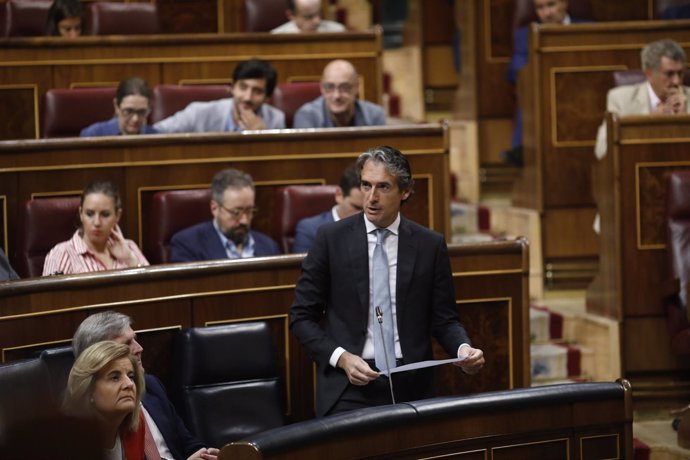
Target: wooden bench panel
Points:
(141, 165)
(43, 63)
(45, 312)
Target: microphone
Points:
(379, 318)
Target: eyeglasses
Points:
(345, 88)
(674, 73)
(129, 113)
(238, 212)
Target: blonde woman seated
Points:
(99, 244)
(106, 385)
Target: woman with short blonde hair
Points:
(106, 384)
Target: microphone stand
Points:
(379, 318)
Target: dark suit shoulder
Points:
(264, 245)
(419, 230)
(194, 230)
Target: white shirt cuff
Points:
(460, 348)
(336, 356)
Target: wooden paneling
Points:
(564, 90)
(630, 187)
(144, 164)
(46, 63)
(491, 297)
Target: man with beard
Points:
(228, 234)
(253, 82)
(338, 104)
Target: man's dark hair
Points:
(350, 179)
(132, 86)
(229, 178)
(256, 69)
(395, 163)
(291, 6)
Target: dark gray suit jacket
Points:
(6, 270)
(335, 283)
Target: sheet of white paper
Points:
(423, 364)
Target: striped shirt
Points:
(73, 256)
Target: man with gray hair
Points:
(374, 288)
(228, 235)
(663, 92)
(171, 437)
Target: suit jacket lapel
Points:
(641, 100)
(358, 259)
(407, 253)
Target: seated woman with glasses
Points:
(98, 244)
(132, 107)
(106, 385)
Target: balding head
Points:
(339, 69)
(306, 14)
(340, 88)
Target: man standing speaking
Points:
(375, 287)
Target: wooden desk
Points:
(588, 421)
(142, 165)
(630, 187)
(485, 101)
(564, 93)
(491, 291)
(31, 66)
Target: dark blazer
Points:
(521, 51)
(201, 242)
(6, 270)
(305, 232)
(180, 441)
(335, 282)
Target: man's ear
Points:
(338, 194)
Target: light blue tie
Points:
(381, 298)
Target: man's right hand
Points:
(675, 103)
(357, 370)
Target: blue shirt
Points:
(111, 128)
(231, 247)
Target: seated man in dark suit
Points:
(548, 12)
(348, 198)
(172, 438)
(338, 104)
(6, 270)
(228, 235)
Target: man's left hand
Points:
(473, 362)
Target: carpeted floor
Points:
(661, 440)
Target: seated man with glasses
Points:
(338, 104)
(228, 235)
(132, 106)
